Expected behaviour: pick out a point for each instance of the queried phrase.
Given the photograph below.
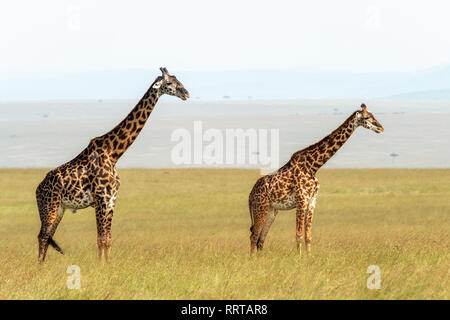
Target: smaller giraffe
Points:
(295, 184)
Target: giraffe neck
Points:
(125, 133)
(319, 153)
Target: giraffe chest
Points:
(77, 200)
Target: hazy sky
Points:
(67, 36)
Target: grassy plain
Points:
(184, 234)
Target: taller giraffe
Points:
(295, 184)
(90, 179)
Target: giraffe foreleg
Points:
(104, 210)
(309, 217)
(300, 221)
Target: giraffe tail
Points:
(55, 245)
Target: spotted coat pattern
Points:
(91, 179)
(295, 184)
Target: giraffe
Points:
(90, 179)
(295, 184)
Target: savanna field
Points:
(184, 234)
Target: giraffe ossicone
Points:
(295, 184)
(90, 179)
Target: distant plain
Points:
(47, 133)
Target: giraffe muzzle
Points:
(183, 94)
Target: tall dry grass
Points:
(184, 234)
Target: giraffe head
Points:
(168, 84)
(367, 120)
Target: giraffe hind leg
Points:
(259, 213)
(267, 224)
(51, 214)
(45, 238)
